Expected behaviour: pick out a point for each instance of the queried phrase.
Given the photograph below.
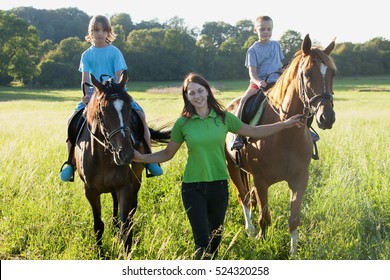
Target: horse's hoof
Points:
(251, 231)
(294, 242)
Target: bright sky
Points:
(356, 21)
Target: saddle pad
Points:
(256, 118)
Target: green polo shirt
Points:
(205, 140)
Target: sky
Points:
(355, 22)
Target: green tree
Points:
(123, 20)
(59, 67)
(19, 48)
(244, 29)
(55, 25)
(176, 23)
(218, 32)
(159, 54)
(290, 42)
(206, 56)
(151, 24)
(230, 60)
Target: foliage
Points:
(55, 25)
(123, 20)
(57, 66)
(156, 51)
(19, 45)
(291, 43)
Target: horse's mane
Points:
(92, 107)
(317, 55)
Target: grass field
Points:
(345, 211)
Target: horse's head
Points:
(316, 72)
(109, 116)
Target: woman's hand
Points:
(294, 121)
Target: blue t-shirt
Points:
(267, 58)
(102, 61)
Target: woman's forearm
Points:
(262, 131)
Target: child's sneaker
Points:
(67, 172)
(154, 169)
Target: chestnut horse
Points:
(305, 87)
(104, 150)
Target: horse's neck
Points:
(292, 104)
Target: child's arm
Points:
(254, 78)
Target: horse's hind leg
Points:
(94, 201)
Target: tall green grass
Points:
(345, 211)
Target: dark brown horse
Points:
(104, 150)
(306, 86)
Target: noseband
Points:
(308, 108)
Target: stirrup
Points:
(314, 135)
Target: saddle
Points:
(252, 113)
(253, 108)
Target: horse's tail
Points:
(232, 106)
(161, 134)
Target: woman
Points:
(203, 126)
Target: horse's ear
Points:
(124, 79)
(96, 83)
(306, 45)
(331, 46)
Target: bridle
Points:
(309, 109)
(108, 135)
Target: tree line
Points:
(43, 47)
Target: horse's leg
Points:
(94, 200)
(243, 195)
(298, 187)
(115, 209)
(128, 206)
(261, 191)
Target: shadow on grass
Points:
(31, 94)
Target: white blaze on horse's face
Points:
(323, 69)
(118, 104)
